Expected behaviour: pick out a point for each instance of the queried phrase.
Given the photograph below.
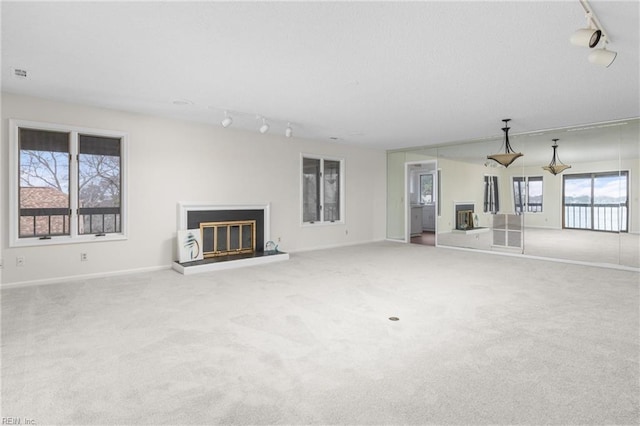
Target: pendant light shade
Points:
(509, 155)
(556, 166)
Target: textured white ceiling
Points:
(380, 74)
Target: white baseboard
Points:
(58, 280)
(332, 246)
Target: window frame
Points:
(623, 226)
(322, 159)
(433, 189)
(491, 186)
(14, 184)
(526, 204)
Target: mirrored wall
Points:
(588, 212)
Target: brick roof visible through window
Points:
(42, 197)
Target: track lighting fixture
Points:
(602, 56)
(265, 126)
(556, 166)
(509, 155)
(591, 36)
(227, 120)
(288, 131)
(586, 37)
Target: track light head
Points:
(288, 131)
(227, 120)
(602, 57)
(586, 37)
(265, 127)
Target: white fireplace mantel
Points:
(184, 208)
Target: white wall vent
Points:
(19, 73)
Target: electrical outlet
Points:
(278, 239)
(20, 261)
(83, 257)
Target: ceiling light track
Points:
(230, 116)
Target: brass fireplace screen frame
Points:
(465, 219)
(234, 230)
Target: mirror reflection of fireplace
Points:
(464, 219)
(228, 238)
(464, 216)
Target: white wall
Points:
(172, 161)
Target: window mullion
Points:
(73, 185)
(321, 197)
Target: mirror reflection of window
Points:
(491, 199)
(426, 189)
(596, 201)
(527, 194)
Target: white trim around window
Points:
(73, 235)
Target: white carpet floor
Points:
(482, 339)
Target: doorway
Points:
(421, 195)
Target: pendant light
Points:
(509, 155)
(556, 166)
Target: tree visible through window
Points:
(98, 184)
(51, 164)
(44, 183)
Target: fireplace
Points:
(232, 235)
(464, 216)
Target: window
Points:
(67, 184)
(99, 185)
(596, 201)
(322, 198)
(527, 194)
(491, 199)
(426, 189)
